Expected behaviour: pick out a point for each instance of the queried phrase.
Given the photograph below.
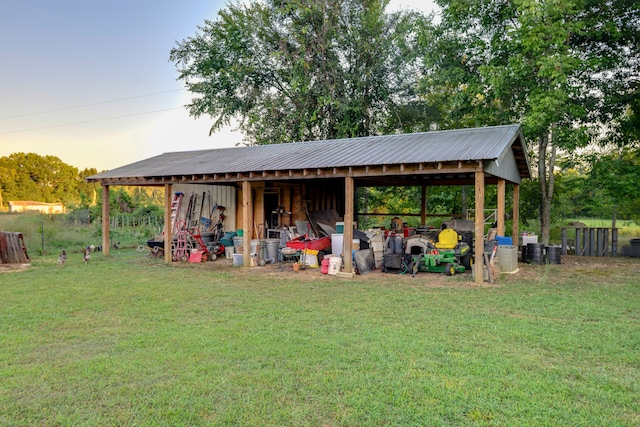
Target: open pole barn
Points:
(320, 175)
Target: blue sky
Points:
(90, 81)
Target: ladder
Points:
(181, 249)
(175, 210)
(196, 203)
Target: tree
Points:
(301, 69)
(38, 178)
(555, 66)
(619, 174)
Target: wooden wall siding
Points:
(12, 248)
(318, 197)
(324, 197)
(223, 195)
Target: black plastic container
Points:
(535, 253)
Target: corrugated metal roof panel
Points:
(439, 146)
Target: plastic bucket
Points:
(237, 244)
(324, 265)
(335, 263)
(238, 259)
(228, 252)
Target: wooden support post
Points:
(285, 194)
(258, 210)
(168, 232)
(515, 227)
(423, 205)
(106, 244)
(479, 227)
(348, 224)
(247, 222)
(502, 184)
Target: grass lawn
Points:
(127, 340)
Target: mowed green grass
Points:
(127, 340)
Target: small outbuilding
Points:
(22, 206)
(322, 175)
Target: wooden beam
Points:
(258, 211)
(247, 222)
(515, 231)
(502, 184)
(348, 224)
(168, 237)
(423, 205)
(479, 228)
(106, 246)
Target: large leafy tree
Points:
(29, 176)
(563, 68)
(301, 69)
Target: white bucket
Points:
(335, 263)
(228, 252)
(238, 259)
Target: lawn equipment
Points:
(449, 255)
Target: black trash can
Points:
(535, 253)
(553, 254)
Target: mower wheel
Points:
(467, 261)
(449, 269)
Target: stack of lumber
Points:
(12, 248)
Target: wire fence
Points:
(133, 221)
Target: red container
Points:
(324, 266)
(316, 244)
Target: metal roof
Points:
(462, 145)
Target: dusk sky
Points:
(91, 83)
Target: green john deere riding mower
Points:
(449, 255)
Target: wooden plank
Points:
(502, 184)
(515, 231)
(348, 223)
(479, 226)
(247, 222)
(168, 236)
(106, 247)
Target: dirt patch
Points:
(8, 268)
(604, 269)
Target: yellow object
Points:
(447, 239)
(310, 258)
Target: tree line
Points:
(33, 177)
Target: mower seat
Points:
(447, 239)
